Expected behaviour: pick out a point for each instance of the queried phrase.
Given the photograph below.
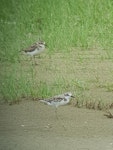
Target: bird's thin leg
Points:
(56, 113)
(35, 60)
(59, 119)
(32, 60)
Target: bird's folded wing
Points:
(31, 48)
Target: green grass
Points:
(63, 24)
(71, 29)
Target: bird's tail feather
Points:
(43, 101)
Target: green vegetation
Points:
(79, 37)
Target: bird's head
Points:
(69, 94)
(41, 44)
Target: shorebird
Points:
(58, 100)
(35, 49)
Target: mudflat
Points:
(33, 125)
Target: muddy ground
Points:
(33, 125)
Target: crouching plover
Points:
(58, 100)
(35, 49)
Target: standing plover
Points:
(35, 49)
(58, 100)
